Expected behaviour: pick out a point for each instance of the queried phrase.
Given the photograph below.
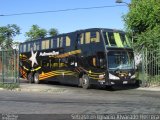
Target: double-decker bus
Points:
(84, 57)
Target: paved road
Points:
(74, 100)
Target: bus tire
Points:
(30, 77)
(85, 82)
(36, 78)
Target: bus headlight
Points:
(133, 76)
(113, 77)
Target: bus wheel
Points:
(30, 77)
(36, 78)
(85, 82)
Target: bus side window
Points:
(68, 41)
(58, 42)
(87, 37)
(28, 47)
(80, 38)
(21, 48)
(95, 37)
(34, 46)
(37, 45)
(54, 44)
(51, 45)
(24, 47)
(61, 42)
(99, 60)
(63, 62)
(45, 44)
(94, 61)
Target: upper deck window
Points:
(45, 44)
(87, 37)
(80, 38)
(55, 43)
(24, 47)
(91, 37)
(21, 48)
(68, 41)
(111, 38)
(62, 42)
(95, 37)
(29, 47)
(36, 45)
(58, 42)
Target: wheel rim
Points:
(36, 79)
(85, 81)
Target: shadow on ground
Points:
(97, 87)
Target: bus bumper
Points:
(111, 82)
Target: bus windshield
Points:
(116, 39)
(120, 60)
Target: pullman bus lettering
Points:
(84, 57)
(48, 54)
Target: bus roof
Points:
(79, 31)
(98, 29)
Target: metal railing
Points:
(9, 66)
(149, 67)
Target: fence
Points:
(149, 67)
(9, 66)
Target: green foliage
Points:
(149, 39)
(6, 35)
(53, 32)
(36, 33)
(143, 21)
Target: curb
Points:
(62, 90)
(45, 90)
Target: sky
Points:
(64, 22)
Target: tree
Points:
(6, 35)
(143, 21)
(36, 33)
(53, 32)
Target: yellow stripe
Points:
(108, 39)
(93, 75)
(118, 40)
(53, 73)
(67, 54)
(127, 41)
(61, 72)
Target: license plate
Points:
(101, 80)
(125, 82)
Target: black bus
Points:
(84, 57)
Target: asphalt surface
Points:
(55, 102)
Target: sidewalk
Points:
(58, 89)
(149, 88)
(27, 87)
(50, 88)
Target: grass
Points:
(9, 86)
(149, 80)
